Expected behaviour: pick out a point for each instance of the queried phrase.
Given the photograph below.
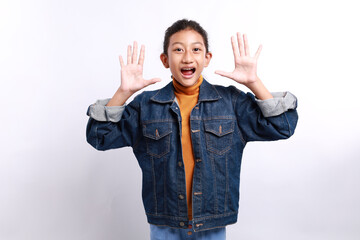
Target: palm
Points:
(132, 73)
(132, 78)
(245, 71)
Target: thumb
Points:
(224, 74)
(152, 81)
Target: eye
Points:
(177, 49)
(197, 49)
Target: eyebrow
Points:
(191, 43)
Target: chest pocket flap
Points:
(157, 138)
(156, 130)
(219, 127)
(218, 134)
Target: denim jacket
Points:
(222, 122)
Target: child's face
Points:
(186, 57)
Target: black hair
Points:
(182, 25)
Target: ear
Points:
(208, 57)
(164, 59)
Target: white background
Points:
(58, 57)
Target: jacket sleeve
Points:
(266, 120)
(112, 127)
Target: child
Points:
(189, 136)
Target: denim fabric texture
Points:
(223, 121)
(168, 233)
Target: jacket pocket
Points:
(157, 136)
(219, 134)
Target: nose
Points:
(187, 57)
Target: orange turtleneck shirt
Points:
(187, 98)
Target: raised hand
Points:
(132, 72)
(131, 76)
(245, 65)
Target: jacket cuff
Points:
(100, 112)
(281, 102)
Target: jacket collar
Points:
(167, 95)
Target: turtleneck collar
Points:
(194, 89)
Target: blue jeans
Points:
(168, 233)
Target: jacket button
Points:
(182, 224)
(180, 164)
(181, 196)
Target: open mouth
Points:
(187, 72)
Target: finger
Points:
(129, 54)
(134, 57)
(142, 55)
(257, 54)
(224, 74)
(246, 46)
(152, 81)
(235, 48)
(121, 61)
(241, 45)
(155, 80)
